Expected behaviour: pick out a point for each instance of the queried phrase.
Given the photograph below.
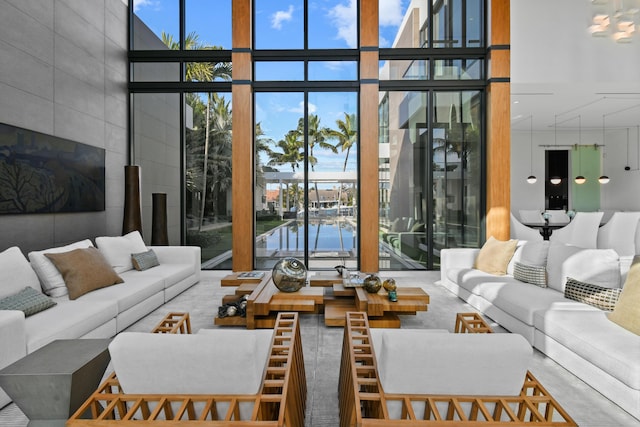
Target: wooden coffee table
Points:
(264, 301)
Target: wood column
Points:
(242, 139)
(499, 122)
(369, 88)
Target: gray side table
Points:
(51, 383)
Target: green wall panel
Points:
(585, 161)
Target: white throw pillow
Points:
(118, 250)
(595, 266)
(50, 278)
(16, 273)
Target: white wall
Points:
(63, 72)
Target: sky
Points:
(279, 25)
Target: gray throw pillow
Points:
(27, 300)
(144, 260)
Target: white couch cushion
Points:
(16, 273)
(592, 336)
(522, 300)
(118, 250)
(475, 280)
(530, 253)
(170, 273)
(67, 320)
(416, 361)
(215, 362)
(135, 289)
(50, 278)
(596, 266)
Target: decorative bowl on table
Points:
(372, 283)
(289, 274)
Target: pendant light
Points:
(627, 167)
(531, 179)
(580, 179)
(555, 180)
(604, 179)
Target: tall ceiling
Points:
(561, 74)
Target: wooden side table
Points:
(51, 383)
(471, 323)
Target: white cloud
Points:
(390, 12)
(280, 16)
(383, 42)
(300, 108)
(138, 4)
(345, 19)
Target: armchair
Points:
(189, 379)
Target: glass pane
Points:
(457, 169)
(404, 69)
(201, 31)
(332, 143)
(333, 24)
(447, 23)
(279, 187)
(208, 177)
(333, 70)
(279, 25)
(458, 69)
(474, 36)
(155, 72)
(208, 71)
(152, 20)
(279, 71)
(156, 144)
(402, 177)
(391, 14)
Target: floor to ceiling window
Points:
(431, 131)
(309, 73)
(306, 134)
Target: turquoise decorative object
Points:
(289, 274)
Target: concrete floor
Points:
(322, 347)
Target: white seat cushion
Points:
(522, 300)
(592, 336)
(419, 362)
(216, 362)
(134, 290)
(67, 320)
(475, 280)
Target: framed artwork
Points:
(41, 173)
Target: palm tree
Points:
(316, 136)
(291, 153)
(203, 72)
(346, 134)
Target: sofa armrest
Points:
(13, 336)
(178, 255)
(456, 258)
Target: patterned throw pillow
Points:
(597, 296)
(144, 260)
(535, 274)
(28, 300)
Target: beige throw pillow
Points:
(84, 270)
(495, 255)
(627, 310)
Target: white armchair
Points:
(619, 233)
(582, 231)
(522, 232)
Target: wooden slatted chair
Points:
(363, 402)
(280, 402)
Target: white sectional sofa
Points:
(578, 336)
(101, 313)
